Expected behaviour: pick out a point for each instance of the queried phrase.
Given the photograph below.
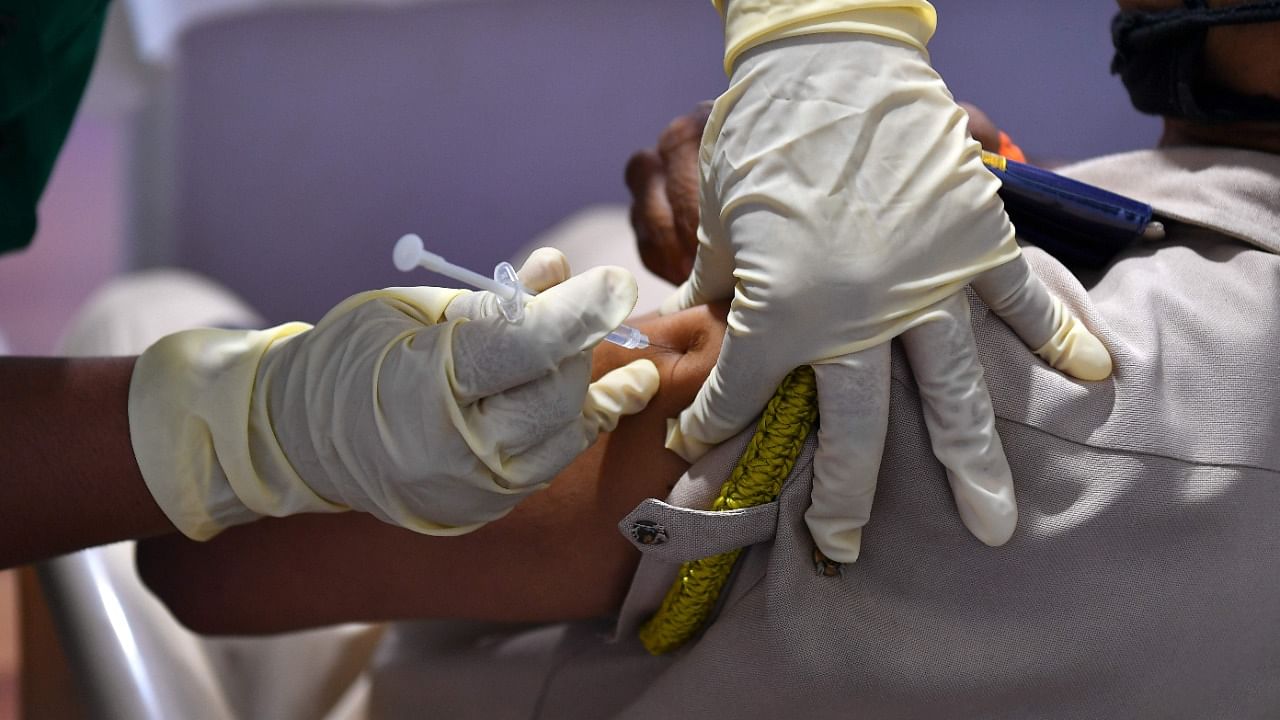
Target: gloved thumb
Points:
(622, 391)
(491, 355)
(545, 268)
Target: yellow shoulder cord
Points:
(756, 480)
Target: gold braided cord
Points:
(756, 480)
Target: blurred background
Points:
(281, 146)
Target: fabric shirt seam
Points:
(1107, 449)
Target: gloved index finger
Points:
(545, 268)
(741, 383)
(491, 355)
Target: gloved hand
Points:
(418, 405)
(663, 181)
(843, 204)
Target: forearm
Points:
(558, 555)
(70, 477)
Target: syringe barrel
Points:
(409, 252)
(512, 305)
(628, 337)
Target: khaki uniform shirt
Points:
(1143, 579)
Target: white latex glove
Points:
(843, 204)
(418, 405)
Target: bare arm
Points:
(558, 555)
(69, 477)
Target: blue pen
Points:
(1074, 221)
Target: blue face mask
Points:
(1160, 58)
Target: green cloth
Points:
(47, 48)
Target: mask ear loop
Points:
(1189, 61)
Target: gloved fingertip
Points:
(992, 520)
(844, 547)
(1089, 358)
(644, 377)
(1076, 351)
(837, 538)
(546, 267)
(623, 292)
(614, 285)
(681, 443)
(580, 311)
(622, 281)
(624, 391)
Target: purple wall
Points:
(78, 245)
(1041, 71)
(308, 142)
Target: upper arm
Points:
(558, 555)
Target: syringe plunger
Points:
(410, 253)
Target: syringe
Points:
(410, 253)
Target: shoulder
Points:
(1189, 320)
(1190, 323)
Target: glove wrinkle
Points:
(1042, 321)
(385, 406)
(837, 231)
